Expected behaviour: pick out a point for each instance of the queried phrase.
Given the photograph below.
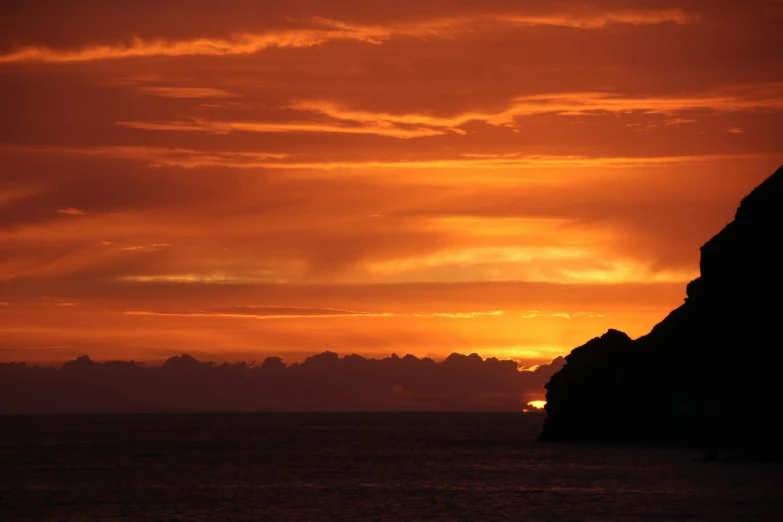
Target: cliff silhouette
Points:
(708, 375)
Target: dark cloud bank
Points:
(323, 382)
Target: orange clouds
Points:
(146, 248)
(389, 318)
(261, 312)
(187, 92)
(190, 159)
(224, 127)
(328, 30)
(416, 176)
(640, 17)
(71, 211)
(240, 44)
(766, 97)
(252, 312)
(736, 98)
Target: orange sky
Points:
(241, 179)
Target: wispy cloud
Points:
(267, 312)
(462, 315)
(210, 278)
(235, 45)
(561, 265)
(52, 301)
(341, 119)
(728, 99)
(191, 158)
(70, 211)
(146, 248)
(187, 92)
(225, 127)
(326, 30)
(599, 20)
(535, 314)
(160, 156)
(252, 312)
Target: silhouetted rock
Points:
(708, 374)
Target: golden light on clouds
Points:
(325, 30)
(509, 179)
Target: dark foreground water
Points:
(356, 466)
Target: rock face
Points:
(709, 373)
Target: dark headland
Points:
(709, 374)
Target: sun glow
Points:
(286, 180)
(539, 405)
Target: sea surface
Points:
(356, 466)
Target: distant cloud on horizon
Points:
(323, 382)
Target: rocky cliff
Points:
(708, 374)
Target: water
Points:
(330, 466)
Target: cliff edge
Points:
(708, 374)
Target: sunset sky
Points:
(237, 179)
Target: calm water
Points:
(355, 466)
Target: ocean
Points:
(356, 466)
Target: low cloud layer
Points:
(323, 382)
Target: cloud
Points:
(262, 312)
(322, 30)
(416, 145)
(212, 278)
(341, 119)
(600, 20)
(536, 314)
(678, 121)
(143, 248)
(187, 92)
(70, 211)
(323, 382)
(235, 45)
(548, 264)
(462, 315)
(191, 158)
(224, 127)
(162, 156)
(766, 96)
(417, 323)
(737, 98)
(559, 226)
